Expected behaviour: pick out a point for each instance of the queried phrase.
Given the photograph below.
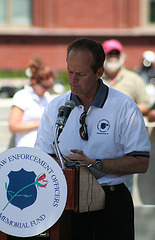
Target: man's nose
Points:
(75, 77)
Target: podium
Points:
(84, 194)
(58, 229)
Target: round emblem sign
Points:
(33, 191)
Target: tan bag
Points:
(91, 194)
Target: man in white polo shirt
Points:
(105, 129)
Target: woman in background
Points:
(28, 106)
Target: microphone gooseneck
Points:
(63, 114)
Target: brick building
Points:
(44, 28)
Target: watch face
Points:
(98, 164)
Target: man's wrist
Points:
(98, 164)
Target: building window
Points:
(147, 16)
(2, 11)
(152, 11)
(16, 12)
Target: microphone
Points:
(69, 106)
(63, 114)
(60, 114)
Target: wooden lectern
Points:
(84, 194)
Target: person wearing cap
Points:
(118, 77)
(28, 105)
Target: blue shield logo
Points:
(21, 191)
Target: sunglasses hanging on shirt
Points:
(83, 129)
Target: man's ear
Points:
(100, 72)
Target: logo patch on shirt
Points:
(103, 126)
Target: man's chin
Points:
(75, 90)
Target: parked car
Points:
(8, 92)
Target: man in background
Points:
(118, 77)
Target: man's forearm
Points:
(126, 165)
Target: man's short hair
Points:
(94, 47)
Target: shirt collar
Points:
(99, 99)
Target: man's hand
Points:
(79, 156)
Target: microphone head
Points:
(70, 104)
(61, 108)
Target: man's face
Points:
(114, 61)
(81, 78)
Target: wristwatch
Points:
(98, 164)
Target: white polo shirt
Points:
(33, 107)
(115, 128)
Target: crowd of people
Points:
(24, 121)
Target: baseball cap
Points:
(112, 44)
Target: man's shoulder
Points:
(115, 93)
(132, 74)
(22, 93)
(121, 101)
(61, 99)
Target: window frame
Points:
(9, 16)
(145, 14)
